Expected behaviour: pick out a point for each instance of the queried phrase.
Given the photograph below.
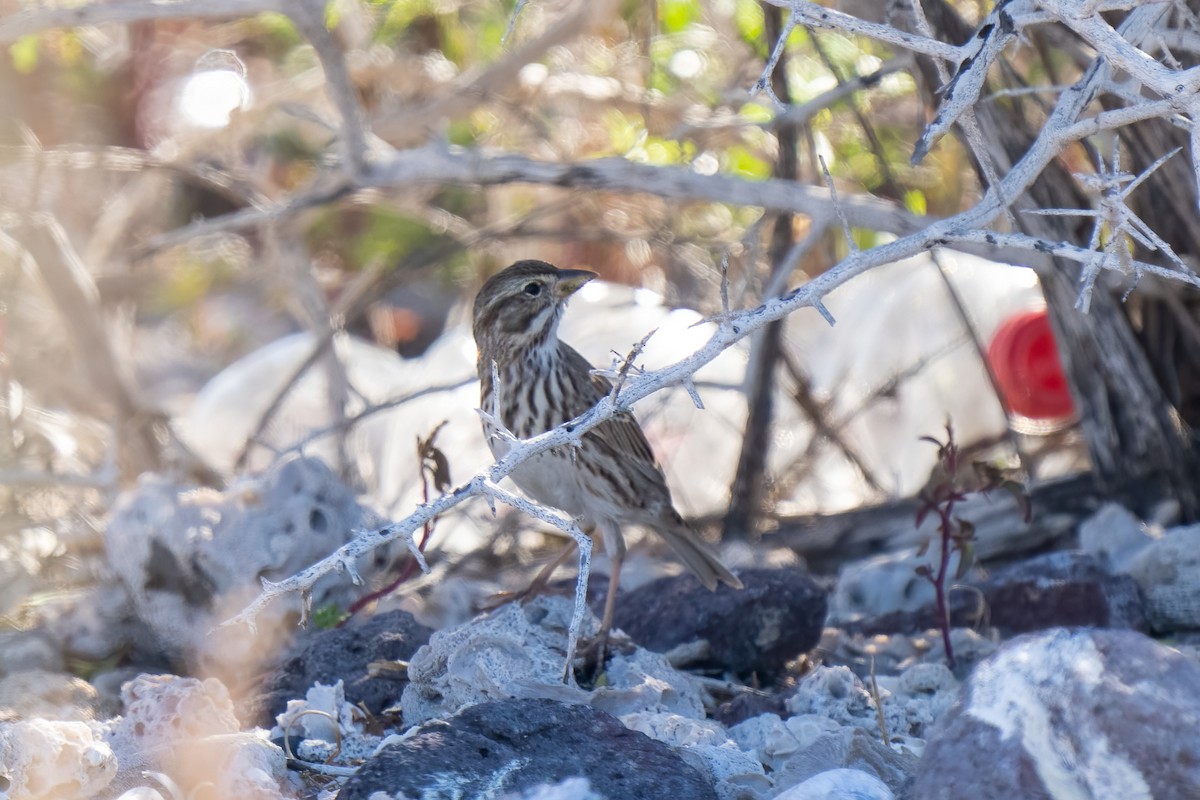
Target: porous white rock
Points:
(835, 693)
(190, 558)
(330, 728)
(322, 714)
(53, 760)
(186, 729)
(515, 651)
(915, 699)
(644, 681)
(519, 650)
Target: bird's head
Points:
(519, 308)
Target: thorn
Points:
(824, 312)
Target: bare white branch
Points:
(29, 21)
(817, 16)
(439, 165)
(962, 92)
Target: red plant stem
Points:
(406, 572)
(939, 583)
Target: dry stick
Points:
(972, 332)
(747, 491)
(823, 428)
(349, 422)
(442, 166)
(309, 17)
(323, 343)
(883, 732)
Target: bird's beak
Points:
(569, 281)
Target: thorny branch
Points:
(1125, 68)
(1067, 124)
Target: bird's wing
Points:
(622, 433)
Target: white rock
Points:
(190, 558)
(50, 760)
(569, 789)
(706, 745)
(881, 584)
(515, 651)
(1115, 535)
(836, 693)
(773, 741)
(186, 729)
(644, 681)
(839, 784)
(334, 718)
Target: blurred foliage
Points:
(668, 84)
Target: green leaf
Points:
(745, 164)
(675, 15)
(748, 16)
(914, 201)
(333, 15)
(756, 113)
(327, 617)
(24, 54)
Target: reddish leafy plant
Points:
(950, 483)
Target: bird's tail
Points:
(697, 556)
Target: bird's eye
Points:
(533, 289)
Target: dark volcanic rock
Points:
(493, 749)
(778, 616)
(1062, 589)
(742, 707)
(1070, 713)
(344, 653)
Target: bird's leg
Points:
(614, 543)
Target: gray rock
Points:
(21, 651)
(777, 617)
(1168, 571)
(1115, 536)
(345, 653)
(512, 746)
(839, 784)
(1060, 589)
(848, 748)
(189, 557)
(1070, 713)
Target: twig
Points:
(837, 207)
(309, 17)
(323, 343)
(438, 165)
(29, 21)
(512, 21)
